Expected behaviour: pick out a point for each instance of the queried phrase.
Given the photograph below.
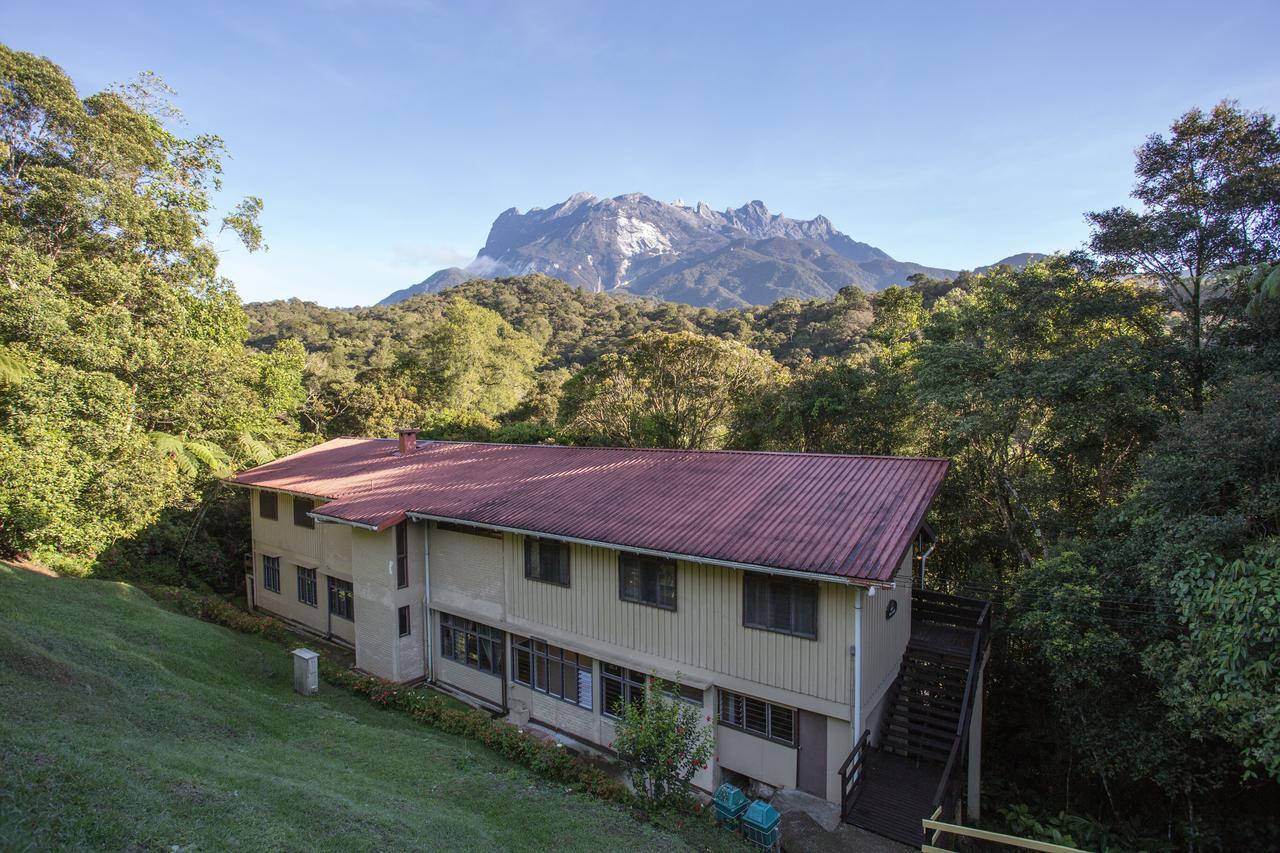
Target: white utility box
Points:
(306, 672)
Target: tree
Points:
(127, 382)
(666, 390)
(663, 742)
(1044, 386)
(1210, 196)
(473, 360)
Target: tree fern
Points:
(190, 455)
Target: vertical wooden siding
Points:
(706, 630)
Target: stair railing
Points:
(851, 774)
(947, 794)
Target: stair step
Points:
(916, 730)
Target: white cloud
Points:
(421, 255)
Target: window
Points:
(307, 586)
(342, 600)
(758, 717)
(302, 506)
(780, 604)
(546, 560)
(271, 573)
(268, 505)
(405, 622)
(647, 580)
(552, 670)
(471, 644)
(466, 528)
(621, 686)
(402, 555)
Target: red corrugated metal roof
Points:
(846, 516)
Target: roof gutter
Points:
(671, 555)
(332, 520)
(232, 481)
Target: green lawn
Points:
(126, 726)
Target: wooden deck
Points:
(896, 795)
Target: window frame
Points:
(562, 571)
(348, 595)
(770, 585)
(632, 684)
(769, 709)
(402, 555)
(538, 657)
(300, 517)
(274, 515)
(643, 562)
(270, 570)
(404, 616)
(474, 635)
(310, 583)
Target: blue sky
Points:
(385, 137)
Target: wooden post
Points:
(973, 798)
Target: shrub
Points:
(663, 742)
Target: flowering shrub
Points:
(663, 742)
(426, 706)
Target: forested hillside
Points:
(1113, 417)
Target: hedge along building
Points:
(549, 582)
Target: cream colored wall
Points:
(467, 574)
(373, 561)
(473, 681)
(884, 641)
(756, 757)
(410, 651)
(326, 548)
(704, 640)
(839, 745)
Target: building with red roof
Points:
(550, 583)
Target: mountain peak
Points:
(635, 243)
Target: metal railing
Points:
(947, 795)
(851, 774)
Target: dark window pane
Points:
(780, 604)
(806, 609)
(268, 505)
(402, 555)
(755, 599)
(756, 717)
(781, 723)
(403, 613)
(302, 506)
(271, 573)
(523, 667)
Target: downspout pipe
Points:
(855, 652)
(426, 601)
(924, 558)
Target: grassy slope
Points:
(125, 725)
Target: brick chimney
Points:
(408, 440)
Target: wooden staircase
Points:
(915, 765)
(924, 714)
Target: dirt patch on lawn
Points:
(29, 565)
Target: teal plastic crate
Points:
(761, 825)
(730, 804)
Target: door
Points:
(811, 755)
